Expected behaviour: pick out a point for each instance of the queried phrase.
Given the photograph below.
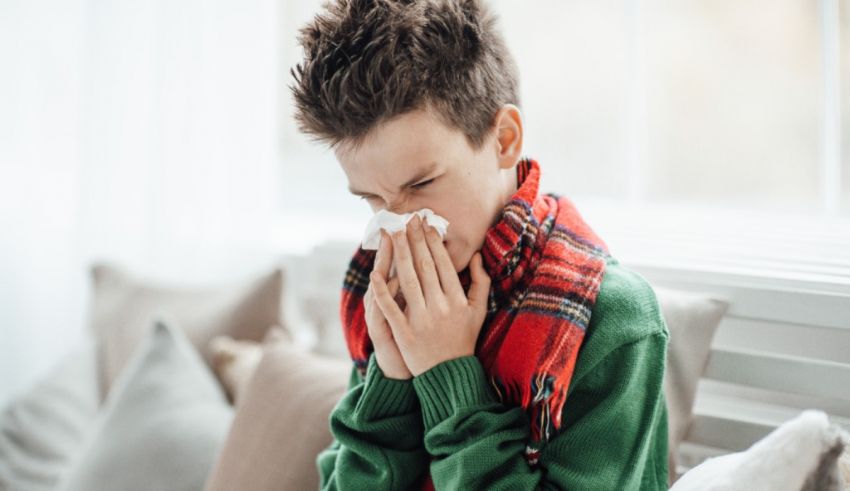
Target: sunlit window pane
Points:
(734, 91)
(697, 101)
(572, 58)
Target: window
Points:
(696, 105)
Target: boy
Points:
(513, 353)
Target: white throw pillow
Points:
(801, 454)
(162, 424)
(44, 427)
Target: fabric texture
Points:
(281, 420)
(801, 454)
(162, 425)
(43, 428)
(692, 319)
(124, 305)
(481, 414)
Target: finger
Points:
(383, 259)
(446, 270)
(423, 261)
(392, 285)
(408, 280)
(378, 328)
(395, 317)
(479, 291)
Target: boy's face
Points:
(415, 161)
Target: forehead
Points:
(413, 132)
(397, 149)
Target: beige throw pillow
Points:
(693, 320)
(123, 306)
(282, 420)
(234, 362)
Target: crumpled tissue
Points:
(392, 222)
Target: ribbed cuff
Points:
(382, 396)
(451, 387)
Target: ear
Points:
(508, 126)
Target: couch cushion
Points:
(124, 305)
(160, 427)
(803, 453)
(234, 362)
(42, 428)
(693, 320)
(282, 420)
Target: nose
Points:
(396, 209)
(401, 209)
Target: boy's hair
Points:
(367, 61)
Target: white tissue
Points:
(392, 222)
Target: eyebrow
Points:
(419, 176)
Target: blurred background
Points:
(709, 135)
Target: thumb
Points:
(480, 288)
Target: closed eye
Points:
(423, 184)
(415, 186)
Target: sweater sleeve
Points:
(377, 431)
(614, 438)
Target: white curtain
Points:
(140, 132)
(160, 134)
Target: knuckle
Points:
(411, 283)
(442, 308)
(426, 263)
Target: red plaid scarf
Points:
(546, 267)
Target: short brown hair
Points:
(367, 61)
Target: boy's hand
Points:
(439, 322)
(386, 351)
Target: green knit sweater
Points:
(614, 425)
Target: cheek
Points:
(457, 247)
(453, 254)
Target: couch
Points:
(156, 398)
